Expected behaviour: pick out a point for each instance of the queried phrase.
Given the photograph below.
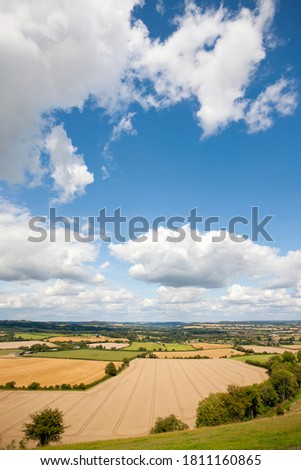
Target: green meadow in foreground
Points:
(89, 354)
(277, 432)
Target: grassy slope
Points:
(155, 346)
(281, 432)
(91, 354)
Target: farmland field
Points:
(24, 371)
(269, 349)
(155, 346)
(33, 336)
(109, 345)
(86, 338)
(212, 353)
(211, 345)
(19, 344)
(281, 432)
(6, 352)
(127, 405)
(256, 357)
(90, 354)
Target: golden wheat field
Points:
(211, 353)
(47, 372)
(91, 339)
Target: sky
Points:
(156, 108)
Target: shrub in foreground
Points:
(168, 424)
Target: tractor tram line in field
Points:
(127, 405)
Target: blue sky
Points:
(154, 108)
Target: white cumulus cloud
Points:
(22, 260)
(55, 55)
(279, 98)
(207, 264)
(70, 174)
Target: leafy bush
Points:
(34, 386)
(212, 411)
(10, 385)
(111, 369)
(168, 424)
(66, 387)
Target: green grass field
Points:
(5, 352)
(33, 336)
(281, 432)
(263, 358)
(89, 354)
(155, 346)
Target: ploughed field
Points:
(128, 404)
(47, 372)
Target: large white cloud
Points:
(206, 263)
(55, 55)
(22, 260)
(58, 54)
(212, 56)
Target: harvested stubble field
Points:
(87, 339)
(109, 345)
(91, 354)
(47, 372)
(211, 353)
(269, 349)
(210, 345)
(127, 405)
(149, 346)
(19, 344)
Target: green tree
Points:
(212, 411)
(168, 424)
(46, 426)
(288, 356)
(274, 360)
(236, 402)
(10, 385)
(299, 355)
(111, 369)
(284, 382)
(34, 386)
(253, 401)
(268, 395)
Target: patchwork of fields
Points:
(128, 404)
